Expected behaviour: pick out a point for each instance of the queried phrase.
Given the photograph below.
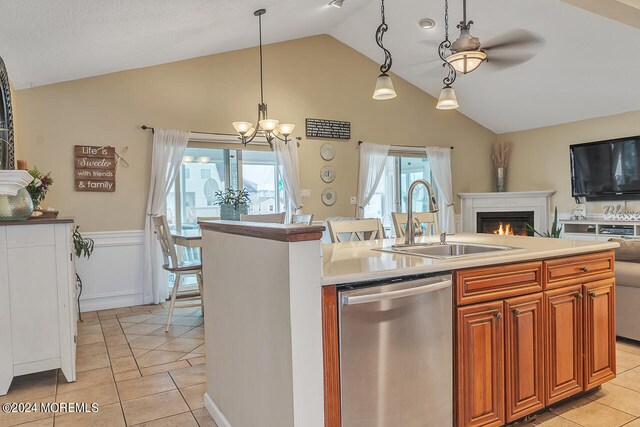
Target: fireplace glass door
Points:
(510, 223)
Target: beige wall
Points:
(540, 157)
(313, 77)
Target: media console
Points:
(599, 230)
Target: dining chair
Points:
(356, 230)
(173, 265)
(302, 219)
(423, 222)
(273, 218)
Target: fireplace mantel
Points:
(536, 201)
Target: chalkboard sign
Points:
(95, 168)
(323, 128)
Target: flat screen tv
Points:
(606, 170)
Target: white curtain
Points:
(373, 158)
(289, 170)
(440, 162)
(168, 149)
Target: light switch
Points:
(305, 194)
(354, 200)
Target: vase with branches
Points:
(500, 152)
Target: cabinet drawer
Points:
(486, 284)
(577, 269)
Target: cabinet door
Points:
(563, 366)
(599, 332)
(524, 356)
(480, 365)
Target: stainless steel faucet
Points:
(409, 238)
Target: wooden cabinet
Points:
(531, 334)
(37, 300)
(524, 356)
(564, 342)
(599, 332)
(480, 365)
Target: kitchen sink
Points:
(446, 251)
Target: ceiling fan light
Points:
(468, 61)
(242, 127)
(384, 88)
(447, 99)
(269, 125)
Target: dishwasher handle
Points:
(430, 287)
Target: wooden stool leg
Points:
(172, 304)
(201, 287)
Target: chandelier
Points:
(269, 128)
(384, 86)
(447, 99)
(466, 55)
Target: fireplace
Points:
(511, 222)
(535, 204)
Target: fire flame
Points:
(504, 230)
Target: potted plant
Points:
(233, 203)
(39, 187)
(83, 247)
(555, 228)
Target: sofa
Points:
(627, 272)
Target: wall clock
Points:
(328, 174)
(327, 151)
(328, 196)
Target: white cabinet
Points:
(37, 299)
(599, 230)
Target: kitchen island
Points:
(524, 321)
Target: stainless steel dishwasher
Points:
(396, 353)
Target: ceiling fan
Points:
(513, 48)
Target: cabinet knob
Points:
(516, 311)
(497, 315)
(584, 269)
(579, 296)
(592, 295)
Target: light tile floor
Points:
(138, 374)
(141, 376)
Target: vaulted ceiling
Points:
(586, 64)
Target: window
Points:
(391, 193)
(204, 171)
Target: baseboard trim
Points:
(215, 412)
(105, 302)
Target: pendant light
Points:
(447, 99)
(384, 86)
(269, 128)
(466, 55)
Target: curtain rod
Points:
(403, 146)
(152, 129)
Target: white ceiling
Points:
(581, 71)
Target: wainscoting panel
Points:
(112, 277)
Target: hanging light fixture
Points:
(466, 55)
(269, 128)
(384, 86)
(447, 99)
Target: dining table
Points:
(191, 238)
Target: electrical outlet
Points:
(305, 194)
(354, 200)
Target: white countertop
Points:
(357, 262)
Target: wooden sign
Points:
(323, 128)
(95, 168)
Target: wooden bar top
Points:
(269, 231)
(38, 221)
